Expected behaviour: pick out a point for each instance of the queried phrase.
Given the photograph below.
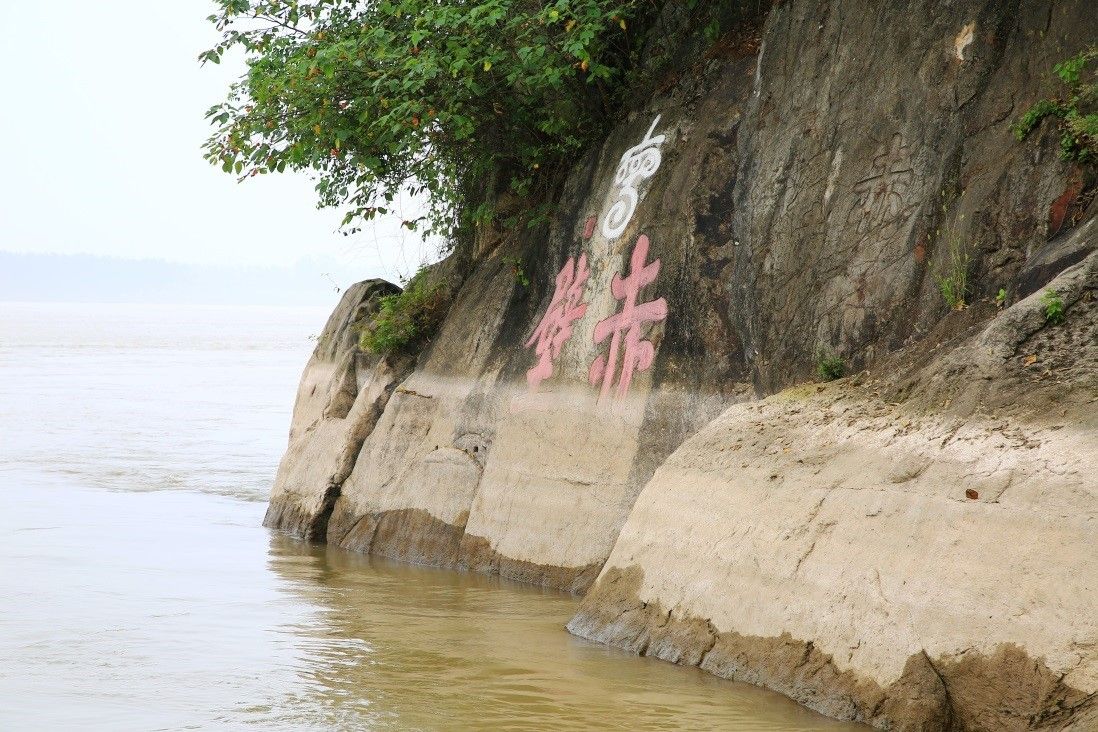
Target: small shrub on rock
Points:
(407, 320)
(1054, 307)
(953, 279)
(1077, 110)
(517, 269)
(830, 367)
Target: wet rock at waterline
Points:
(616, 404)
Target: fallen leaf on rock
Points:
(1030, 359)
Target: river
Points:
(138, 590)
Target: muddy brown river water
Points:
(139, 592)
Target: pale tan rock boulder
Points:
(342, 394)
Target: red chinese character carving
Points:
(589, 227)
(638, 354)
(556, 325)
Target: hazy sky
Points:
(102, 121)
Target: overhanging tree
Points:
(454, 98)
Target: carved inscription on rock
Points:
(882, 199)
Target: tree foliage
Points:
(447, 97)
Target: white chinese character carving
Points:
(638, 163)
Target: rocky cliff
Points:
(618, 403)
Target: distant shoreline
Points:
(82, 278)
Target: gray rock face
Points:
(877, 143)
(793, 191)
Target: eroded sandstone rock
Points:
(341, 396)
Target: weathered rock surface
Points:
(835, 546)
(916, 546)
(342, 394)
